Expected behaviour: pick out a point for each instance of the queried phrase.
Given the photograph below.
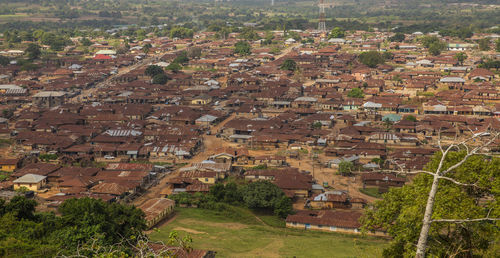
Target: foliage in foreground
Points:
(83, 222)
(402, 209)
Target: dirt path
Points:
(215, 129)
(286, 51)
(210, 145)
(259, 220)
(108, 82)
(188, 230)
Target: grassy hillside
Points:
(242, 234)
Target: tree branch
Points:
(465, 220)
(407, 172)
(457, 182)
(469, 154)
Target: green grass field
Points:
(371, 191)
(240, 234)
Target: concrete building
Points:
(31, 181)
(48, 99)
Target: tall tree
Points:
(346, 168)
(174, 67)
(160, 79)
(461, 57)
(484, 44)
(336, 32)
(153, 70)
(242, 48)
(456, 193)
(181, 58)
(266, 195)
(289, 65)
(398, 37)
(249, 34)
(435, 49)
(33, 51)
(356, 93)
(371, 58)
(4, 60)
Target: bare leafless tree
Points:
(472, 145)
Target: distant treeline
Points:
(400, 16)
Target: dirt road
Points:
(109, 81)
(210, 145)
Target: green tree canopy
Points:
(411, 118)
(490, 64)
(435, 49)
(398, 37)
(484, 44)
(228, 193)
(223, 33)
(153, 70)
(266, 195)
(371, 58)
(33, 51)
(4, 60)
(146, 48)
(85, 42)
(26, 233)
(175, 67)
(249, 34)
(181, 32)
(289, 65)
(181, 58)
(461, 57)
(56, 42)
(346, 168)
(160, 79)
(428, 40)
(317, 125)
(242, 48)
(85, 218)
(401, 211)
(336, 32)
(294, 35)
(434, 44)
(21, 207)
(356, 93)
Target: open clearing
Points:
(240, 234)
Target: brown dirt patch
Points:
(216, 224)
(188, 230)
(270, 250)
